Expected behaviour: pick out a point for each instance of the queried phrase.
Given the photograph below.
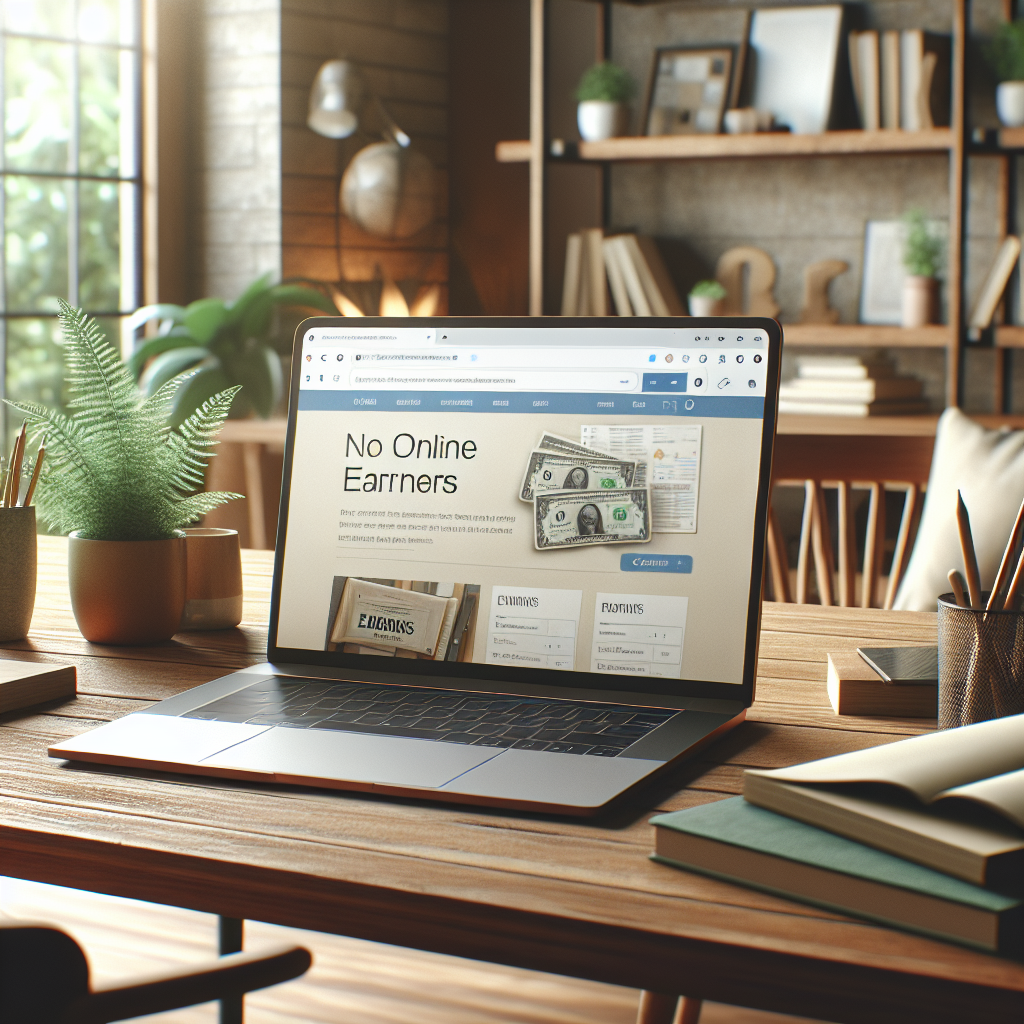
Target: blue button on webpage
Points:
(633, 562)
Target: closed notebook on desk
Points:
(735, 841)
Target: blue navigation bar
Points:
(633, 562)
(545, 402)
(664, 382)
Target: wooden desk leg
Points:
(688, 1010)
(661, 1008)
(252, 459)
(229, 933)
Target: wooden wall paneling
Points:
(958, 171)
(489, 202)
(538, 26)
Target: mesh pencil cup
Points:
(981, 664)
(17, 570)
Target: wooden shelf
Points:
(1011, 138)
(767, 144)
(852, 335)
(1010, 336)
(880, 426)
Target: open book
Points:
(952, 800)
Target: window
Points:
(70, 162)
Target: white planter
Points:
(1010, 103)
(704, 305)
(601, 119)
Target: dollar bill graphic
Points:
(556, 443)
(558, 471)
(569, 519)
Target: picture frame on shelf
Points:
(689, 90)
(881, 292)
(796, 56)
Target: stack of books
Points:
(629, 264)
(850, 386)
(926, 834)
(901, 79)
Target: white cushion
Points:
(987, 466)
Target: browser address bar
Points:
(495, 380)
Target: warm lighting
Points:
(392, 301)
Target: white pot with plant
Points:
(1005, 54)
(705, 298)
(603, 95)
(123, 484)
(922, 258)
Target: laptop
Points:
(519, 563)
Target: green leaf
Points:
(161, 311)
(204, 318)
(157, 346)
(255, 292)
(169, 365)
(259, 373)
(200, 388)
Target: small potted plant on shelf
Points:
(225, 343)
(123, 484)
(1005, 55)
(922, 258)
(603, 94)
(705, 298)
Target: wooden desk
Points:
(579, 899)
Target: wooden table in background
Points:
(565, 896)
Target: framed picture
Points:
(881, 293)
(689, 90)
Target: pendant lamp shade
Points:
(336, 100)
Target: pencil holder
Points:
(17, 571)
(981, 664)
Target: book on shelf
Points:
(951, 800)
(889, 53)
(617, 283)
(573, 274)
(819, 407)
(736, 841)
(639, 280)
(863, 47)
(995, 284)
(855, 688)
(870, 389)
(866, 367)
(583, 284)
(925, 79)
(593, 269)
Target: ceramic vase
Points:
(213, 592)
(1010, 103)
(920, 301)
(127, 591)
(17, 571)
(704, 305)
(601, 119)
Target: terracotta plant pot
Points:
(920, 301)
(127, 591)
(17, 571)
(213, 596)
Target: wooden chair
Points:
(44, 979)
(818, 462)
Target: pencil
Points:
(10, 473)
(14, 483)
(963, 525)
(1011, 594)
(3, 481)
(35, 473)
(998, 595)
(956, 581)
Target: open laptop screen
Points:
(493, 499)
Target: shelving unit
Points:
(953, 141)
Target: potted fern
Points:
(123, 484)
(602, 94)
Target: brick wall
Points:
(402, 48)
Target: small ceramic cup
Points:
(17, 571)
(213, 593)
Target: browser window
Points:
(560, 499)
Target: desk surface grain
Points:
(559, 895)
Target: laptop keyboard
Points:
(450, 716)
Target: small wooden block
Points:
(854, 688)
(24, 683)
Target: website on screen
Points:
(552, 499)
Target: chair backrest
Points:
(42, 972)
(816, 462)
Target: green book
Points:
(738, 842)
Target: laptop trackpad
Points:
(296, 754)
